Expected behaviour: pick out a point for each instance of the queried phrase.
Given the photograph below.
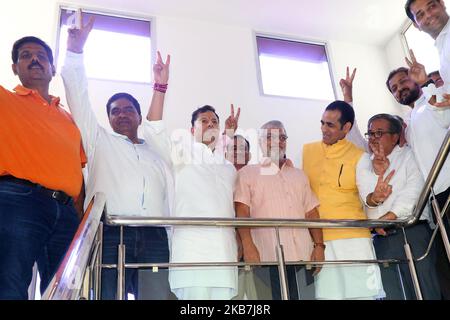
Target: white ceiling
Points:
(361, 21)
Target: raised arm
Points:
(76, 86)
(231, 125)
(417, 72)
(161, 79)
(347, 85)
(354, 135)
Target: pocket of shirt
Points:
(345, 177)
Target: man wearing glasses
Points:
(275, 189)
(331, 167)
(389, 191)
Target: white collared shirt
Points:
(425, 133)
(134, 178)
(442, 44)
(407, 183)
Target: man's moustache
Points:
(33, 64)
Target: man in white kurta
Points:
(407, 183)
(204, 182)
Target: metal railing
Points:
(67, 283)
(68, 280)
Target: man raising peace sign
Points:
(134, 178)
(204, 183)
(389, 183)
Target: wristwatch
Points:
(320, 244)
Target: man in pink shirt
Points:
(275, 189)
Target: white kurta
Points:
(442, 44)
(134, 178)
(407, 183)
(204, 183)
(425, 133)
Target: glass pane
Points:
(113, 55)
(423, 46)
(294, 78)
(294, 69)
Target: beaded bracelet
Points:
(160, 87)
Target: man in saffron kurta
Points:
(331, 168)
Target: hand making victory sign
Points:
(77, 37)
(347, 86)
(418, 74)
(417, 71)
(161, 69)
(232, 122)
(380, 162)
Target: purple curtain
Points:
(113, 24)
(292, 50)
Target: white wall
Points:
(213, 64)
(396, 52)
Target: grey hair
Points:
(272, 124)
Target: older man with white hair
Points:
(275, 189)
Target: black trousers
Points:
(397, 282)
(442, 263)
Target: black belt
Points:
(59, 196)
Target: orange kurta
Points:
(39, 142)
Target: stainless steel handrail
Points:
(244, 264)
(431, 179)
(66, 283)
(58, 287)
(249, 222)
(305, 223)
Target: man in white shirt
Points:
(204, 182)
(126, 168)
(390, 192)
(431, 17)
(426, 131)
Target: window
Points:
(294, 69)
(118, 48)
(423, 46)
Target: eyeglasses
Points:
(281, 137)
(375, 134)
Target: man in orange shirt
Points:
(40, 173)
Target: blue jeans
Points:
(142, 245)
(33, 227)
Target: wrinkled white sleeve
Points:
(442, 116)
(76, 86)
(366, 179)
(175, 149)
(407, 197)
(156, 135)
(356, 137)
